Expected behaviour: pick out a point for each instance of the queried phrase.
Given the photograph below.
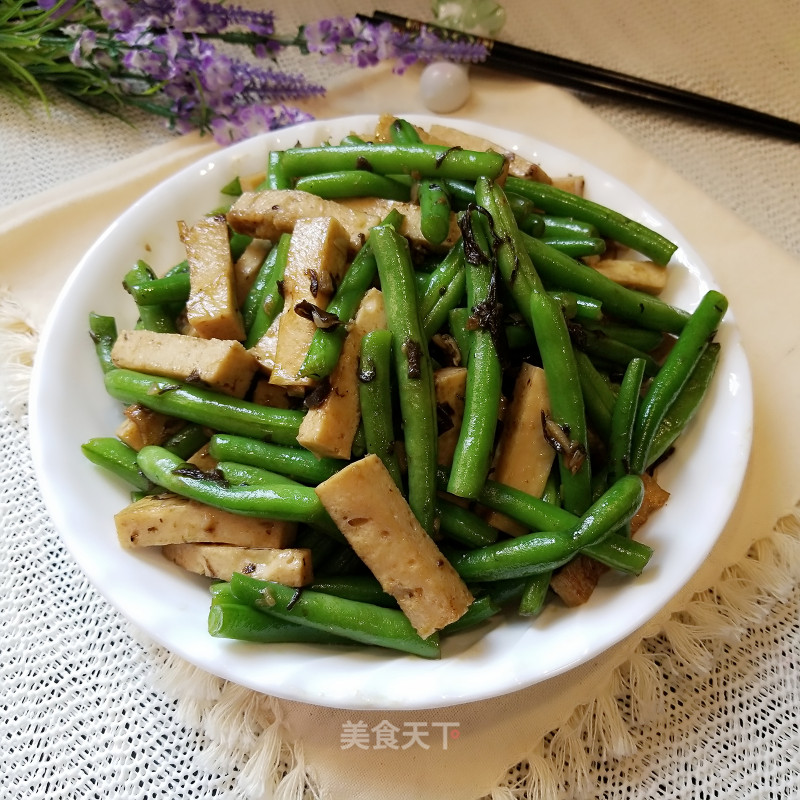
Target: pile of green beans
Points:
(625, 372)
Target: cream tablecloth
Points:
(700, 703)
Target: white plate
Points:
(69, 406)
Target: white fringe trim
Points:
(18, 341)
(245, 731)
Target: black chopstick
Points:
(603, 82)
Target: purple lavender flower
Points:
(369, 44)
(84, 46)
(161, 55)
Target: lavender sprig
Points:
(163, 56)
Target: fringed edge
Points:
(245, 730)
(18, 341)
(602, 730)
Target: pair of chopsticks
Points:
(583, 77)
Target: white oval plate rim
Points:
(171, 606)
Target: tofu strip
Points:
(375, 518)
(211, 309)
(221, 364)
(170, 519)
(289, 566)
(315, 263)
(524, 457)
(328, 430)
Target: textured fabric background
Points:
(82, 717)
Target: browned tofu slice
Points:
(272, 212)
(211, 308)
(221, 364)
(289, 566)
(143, 426)
(202, 459)
(170, 519)
(315, 263)
(524, 457)
(328, 430)
(375, 518)
(644, 276)
(268, 394)
(450, 385)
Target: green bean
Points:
(363, 588)
(172, 288)
(562, 272)
(452, 295)
(442, 277)
(563, 227)
(401, 131)
(685, 405)
(232, 188)
(457, 320)
(566, 400)
(539, 552)
(617, 552)
(513, 261)
(276, 177)
(281, 501)
(361, 622)
(238, 474)
(244, 623)
(598, 398)
(239, 242)
(343, 563)
(462, 193)
(578, 306)
(352, 183)
(117, 457)
(551, 492)
(577, 248)
(294, 462)
(473, 452)
(216, 411)
(412, 368)
(464, 526)
(423, 160)
(674, 372)
(534, 594)
(187, 441)
(500, 592)
(622, 419)
(375, 396)
(532, 512)
(156, 317)
(433, 196)
(596, 344)
(326, 345)
(434, 204)
(609, 223)
(322, 545)
(639, 338)
(264, 301)
(103, 331)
